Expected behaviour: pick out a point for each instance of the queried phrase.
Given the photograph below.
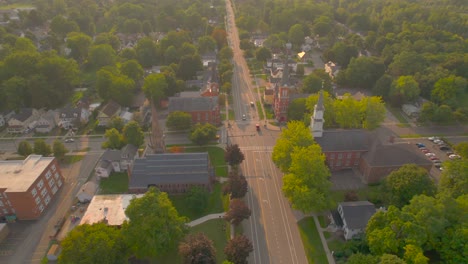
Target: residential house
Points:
(70, 117)
(410, 110)
(110, 110)
(202, 109)
(352, 217)
(126, 115)
(109, 208)
(87, 192)
(5, 117)
(116, 160)
(332, 69)
(173, 173)
(207, 58)
(46, 122)
(23, 121)
(27, 187)
(362, 151)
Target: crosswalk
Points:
(257, 148)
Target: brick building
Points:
(28, 186)
(202, 109)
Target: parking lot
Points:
(18, 232)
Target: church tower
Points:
(317, 120)
(157, 138)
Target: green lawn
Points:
(232, 115)
(70, 159)
(216, 156)
(215, 204)
(117, 183)
(398, 114)
(259, 110)
(311, 240)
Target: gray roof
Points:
(23, 115)
(112, 155)
(129, 151)
(69, 112)
(320, 105)
(344, 140)
(191, 104)
(357, 214)
(395, 155)
(111, 108)
(171, 168)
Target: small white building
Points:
(352, 217)
(411, 110)
(87, 192)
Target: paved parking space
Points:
(17, 235)
(346, 180)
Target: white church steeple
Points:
(317, 120)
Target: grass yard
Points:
(371, 193)
(215, 204)
(232, 115)
(398, 114)
(216, 157)
(311, 241)
(117, 183)
(70, 159)
(259, 110)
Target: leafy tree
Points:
(233, 155)
(116, 122)
(179, 121)
(154, 86)
(61, 26)
(454, 178)
(404, 89)
(374, 112)
(59, 149)
(407, 63)
(206, 44)
(188, 66)
(341, 53)
(295, 135)
(238, 249)
(197, 249)
(197, 199)
(219, 35)
(132, 69)
(132, 134)
(297, 109)
(202, 134)
(347, 112)
(307, 180)
(41, 148)
(102, 55)
(382, 86)
(146, 52)
(24, 148)
(97, 243)
(263, 54)
(236, 185)
(154, 226)
(238, 211)
(447, 89)
(391, 259)
(462, 149)
(108, 38)
(363, 72)
(225, 54)
(414, 255)
(79, 44)
(312, 83)
(114, 139)
(296, 35)
(406, 182)
(132, 26)
(359, 258)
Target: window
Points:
(5, 211)
(34, 192)
(40, 184)
(1, 204)
(55, 189)
(332, 155)
(51, 183)
(356, 162)
(340, 155)
(206, 116)
(41, 208)
(47, 200)
(338, 163)
(48, 175)
(348, 162)
(44, 192)
(57, 175)
(38, 200)
(59, 183)
(349, 155)
(54, 168)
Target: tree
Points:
(188, 66)
(41, 148)
(178, 120)
(409, 180)
(312, 83)
(97, 243)
(146, 52)
(359, 258)
(447, 89)
(236, 185)
(462, 149)
(348, 113)
(295, 135)
(391, 259)
(154, 86)
(114, 139)
(382, 86)
(132, 69)
(404, 89)
(197, 249)
(233, 155)
(238, 211)
(59, 149)
(197, 199)
(363, 72)
(132, 134)
(454, 178)
(238, 249)
(79, 44)
(102, 55)
(24, 148)
(263, 54)
(374, 112)
(154, 226)
(202, 134)
(296, 35)
(407, 63)
(116, 122)
(297, 109)
(414, 255)
(206, 44)
(307, 180)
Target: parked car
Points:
(444, 148)
(244, 117)
(434, 158)
(433, 138)
(69, 140)
(441, 143)
(438, 164)
(420, 145)
(449, 153)
(425, 151)
(438, 141)
(430, 154)
(454, 156)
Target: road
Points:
(272, 227)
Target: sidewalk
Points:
(205, 218)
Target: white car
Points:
(69, 140)
(244, 117)
(437, 141)
(430, 154)
(454, 156)
(433, 138)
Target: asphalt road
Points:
(272, 227)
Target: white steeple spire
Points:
(317, 120)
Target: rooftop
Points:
(19, 175)
(189, 104)
(344, 140)
(357, 214)
(111, 207)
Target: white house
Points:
(352, 217)
(46, 122)
(22, 121)
(87, 192)
(5, 116)
(114, 160)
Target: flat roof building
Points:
(28, 186)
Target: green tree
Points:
(154, 226)
(188, 66)
(406, 182)
(154, 86)
(202, 134)
(391, 259)
(374, 112)
(263, 54)
(236, 185)
(312, 83)
(347, 112)
(238, 249)
(359, 258)
(114, 139)
(116, 122)
(407, 63)
(225, 54)
(296, 35)
(132, 134)
(238, 211)
(197, 199)
(146, 52)
(97, 243)
(233, 155)
(79, 44)
(363, 72)
(102, 55)
(414, 255)
(404, 89)
(307, 180)
(59, 149)
(447, 89)
(24, 148)
(382, 86)
(179, 121)
(462, 149)
(197, 249)
(297, 109)
(132, 69)
(454, 178)
(42, 148)
(295, 135)
(206, 44)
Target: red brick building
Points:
(202, 109)
(28, 186)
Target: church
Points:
(362, 151)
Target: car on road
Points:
(454, 156)
(244, 117)
(257, 126)
(420, 145)
(430, 154)
(69, 140)
(252, 104)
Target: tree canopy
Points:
(197, 249)
(233, 155)
(202, 134)
(238, 249)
